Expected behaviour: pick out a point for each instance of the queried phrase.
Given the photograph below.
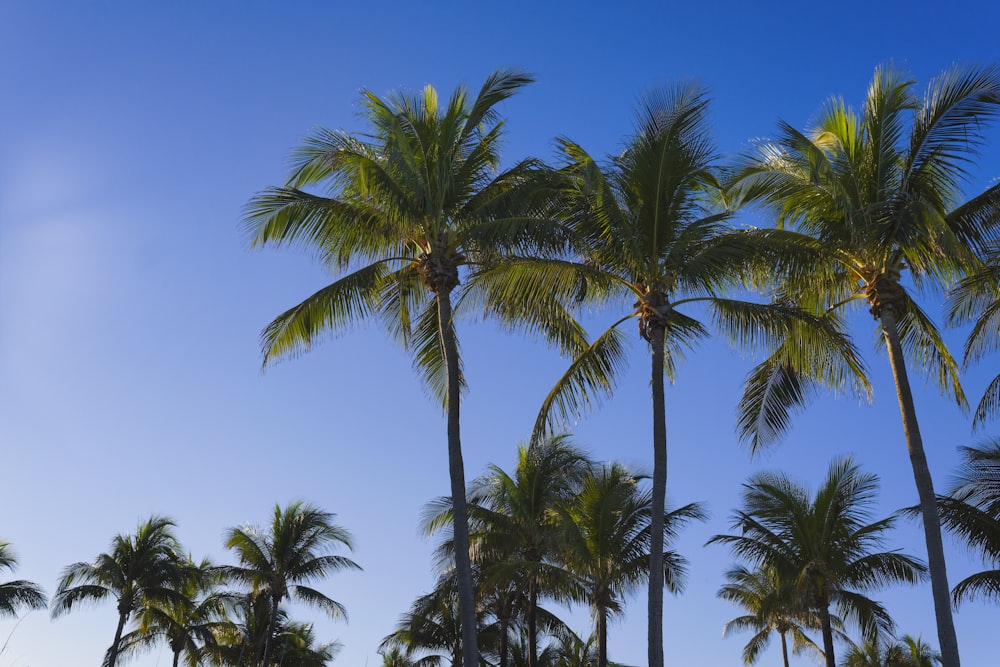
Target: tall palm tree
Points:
(511, 526)
(972, 511)
(607, 534)
(773, 607)
(976, 299)
(407, 209)
(651, 238)
(823, 544)
(275, 563)
(907, 652)
(139, 569)
(870, 197)
(17, 595)
(190, 623)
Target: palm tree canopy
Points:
(606, 534)
(972, 512)
(976, 299)
(907, 652)
(864, 198)
(17, 595)
(138, 568)
(823, 544)
(400, 212)
(297, 548)
(773, 606)
(652, 234)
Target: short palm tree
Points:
(653, 240)
(408, 208)
(140, 569)
(511, 526)
(430, 633)
(277, 562)
(972, 511)
(773, 607)
(17, 595)
(907, 652)
(824, 545)
(606, 532)
(190, 623)
(873, 200)
(976, 299)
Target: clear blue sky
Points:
(131, 136)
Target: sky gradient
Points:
(133, 134)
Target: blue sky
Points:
(131, 137)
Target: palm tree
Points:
(869, 197)
(296, 548)
(17, 595)
(907, 652)
(976, 299)
(773, 607)
(411, 206)
(823, 544)
(511, 523)
(972, 511)
(650, 237)
(139, 569)
(240, 642)
(191, 623)
(606, 530)
(430, 633)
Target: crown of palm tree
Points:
(17, 595)
(823, 545)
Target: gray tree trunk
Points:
(827, 630)
(655, 634)
(940, 590)
(602, 637)
(113, 651)
(456, 469)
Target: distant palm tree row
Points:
(558, 528)
(421, 225)
(165, 597)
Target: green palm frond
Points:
(353, 298)
(923, 344)
(586, 382)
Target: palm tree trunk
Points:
(272, 624)
(602, 637)
(113, 651)
(177, 658)
(655, 633)
(504, 640)
(456, 469)
(827, 630)
(925, 490)
(784, 648)
(532, 623)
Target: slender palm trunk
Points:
(504, 640)
(602, 637)
(925, 490)
(456, 469)
(532, 623)
(659, 499)
(784, 648)
(827, 630)
(272, 625)
(177, 658)
(113, 651)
